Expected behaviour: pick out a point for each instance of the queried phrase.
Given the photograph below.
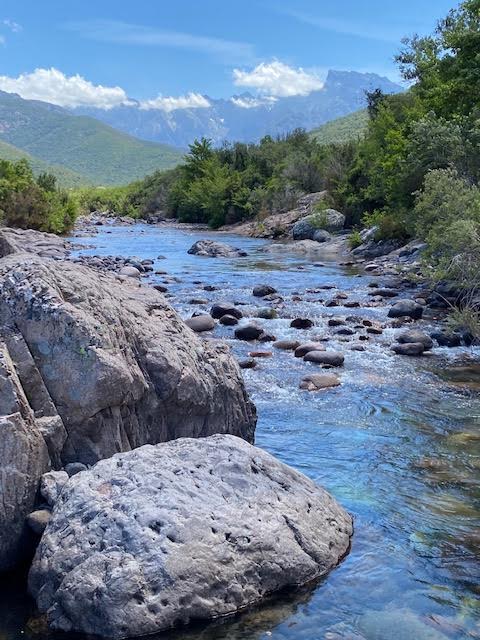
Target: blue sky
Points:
(149, 48)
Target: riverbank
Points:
(395, 441)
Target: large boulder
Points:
(325, 220)
(121, 367)
(414, 335)
(212, 249)
(188, 530)
(406, 309)
(24, 458)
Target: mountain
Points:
(96, 151)
(65, 177)
(342, 129)
(245, 117)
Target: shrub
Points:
(355, 239)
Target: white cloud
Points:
(51, 85)
(13, 26)
(170, 103)
(2, 40)
(227, 51)
(278, 79)
(245, 102)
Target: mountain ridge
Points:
(82, 144)
(343, 93)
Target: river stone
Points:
(262, 290)
(445, 339)
(304, 348)
(266, 313)
(72, 468)
(130, 272)
(317, 381)
(212, 249)
(189, 530)
(286, 345)
(113, 362)
(228, 320)
(406, 309)
(409, 349)
(416, 336)
(248, 332)
(220, 309)
(301, 323)
(200, 323)
(331, 358)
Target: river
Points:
(398, 444)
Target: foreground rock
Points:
(212, 249)
(192, 529)
(120, 366)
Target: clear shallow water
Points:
(398, 444)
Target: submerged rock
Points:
(191, 529)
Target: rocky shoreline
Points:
(97, 371)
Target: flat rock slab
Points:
(190, 529)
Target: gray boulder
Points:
(189, 530)
(120, 366)
(220, 309)
(304, 348)
(329, 358)
(248, 332)
(212, 249)
(130, 271)
(200, 323)
(326, 220)
(416, 336)
(262, 290)
(409, 349)
(406, 309)
(38, 520)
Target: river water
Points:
(398, 444)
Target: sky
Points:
(172, 54)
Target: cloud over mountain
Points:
(278, 79)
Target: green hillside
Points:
(340, 130)
(65, 177)
(81, 144)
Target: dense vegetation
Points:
(341, 130)
(65, 177)
(33, 203)
(414, 172)
(100, 154)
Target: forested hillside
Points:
(81, 144)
